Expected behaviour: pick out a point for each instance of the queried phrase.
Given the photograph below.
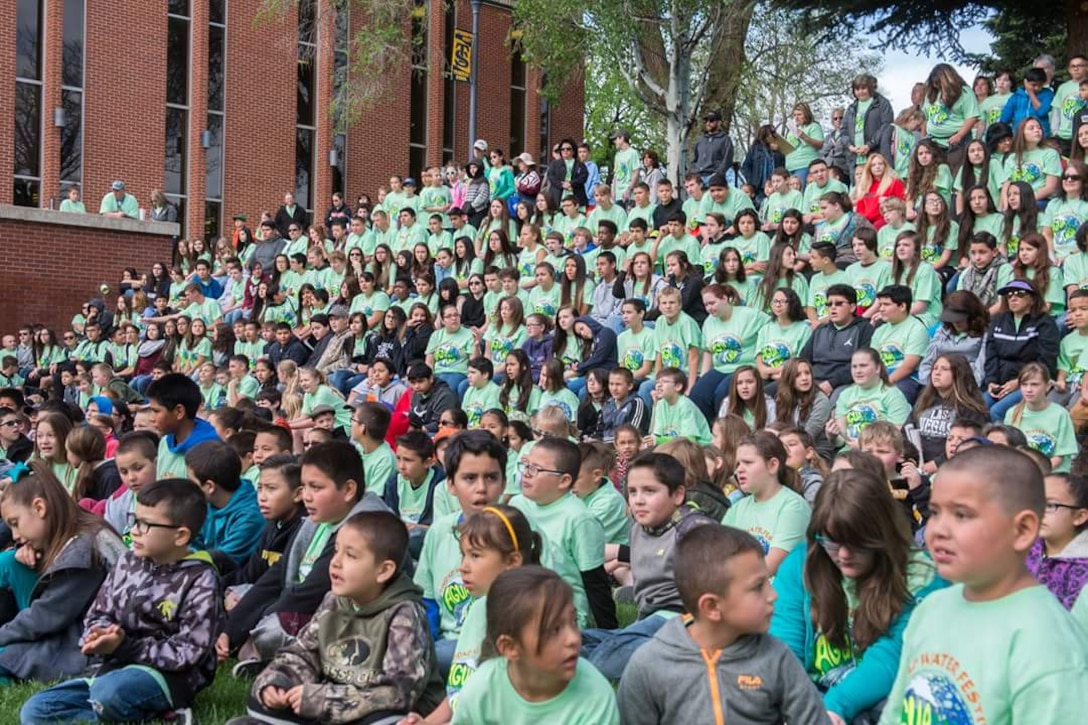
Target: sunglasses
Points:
(1071, 177)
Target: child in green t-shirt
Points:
(599, 495)
(1072, 361)
(531, 627)
(674, 413)
(410, 492)
(481, 394)
(1047, 426)
(369, 425)
(995, 647)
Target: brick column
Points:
(533, 77)
(7, 101)
(198, 118)
(52, 76)
(321, 186)
(436, 64)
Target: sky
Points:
(902, 70)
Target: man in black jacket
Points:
(713, 152)
(287, 346)
(834, 343)
(290, 213)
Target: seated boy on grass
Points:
(367, 655)
(233, 526)
(153, 622)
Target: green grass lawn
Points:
(226, 698)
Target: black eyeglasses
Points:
(530, 470)
(141, 527)
(832, 547)
(9, 423)
(566, 148)
(294, 229)
(1049, 506)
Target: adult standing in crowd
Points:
(713, 152)
(288, 214)
(867, 123)
(567, 175)
(118, 203)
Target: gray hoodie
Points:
(754, 680)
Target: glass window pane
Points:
(27, 192)
(417, 157)
(305, 103)
(177, 62)
(28, 39)
(517, 71)
(304, 166)
(73, 43)
(216, 65)
(178, 7)
(339, 142)
(28, 129)
(343, 27)
(179, 203)
(214, 158)
(71, 137)
(417, 132)
(176, 130)
(307, 27)
(212, 219)
(217, 11)
(517, 122)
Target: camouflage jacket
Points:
(354, 661)
(171, 615)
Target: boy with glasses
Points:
(15, 447)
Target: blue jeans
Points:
(709, 391)
(998, 408)
(141, 383)
(130, 694)
(458, 382)
(610, 649)
(342, 380)
(643, 388)
(443, 650)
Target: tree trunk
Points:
(727, 61)
(1076, 22)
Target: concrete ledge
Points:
(89, 221)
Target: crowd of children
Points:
(631, 461)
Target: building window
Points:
(417, 114)
(306, 98)
(519, 97)
(449, 86)
(175, 182)
(71, 135)
(545, 126)
(28, 103)
(213, 170)
(339, 84)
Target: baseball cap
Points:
(712, 116)
(118, 185)
(339, 311)
(480, 144)
(322, 410)
(1017, 284)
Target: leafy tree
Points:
(1018, 41)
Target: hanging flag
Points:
(461, 55)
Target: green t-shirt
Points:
(778, 204)
(645, 213)
(1055, 289)
(868, 280)
(503, 342)
(1071, 358)
(933, 248)
(127, 206)
(811, 198)
(1017, 659)
(73, 207)
(777, 523)
(616, 215)
(896, 341)
(209, 311)
(490, 697)
(324, 395)
(609, 508)
(1068, 104)
(1075, 270)
(452, 351)
(803, 153)
(531, 407)
(990, 109)
(438, 573)
(943, 122)
(378, 465)
(732, 343)
(1064, 217)
(903, 142)
(862, 406)
(755, 298)
(688, 245)
(674, 339)
(434, 197)
(466, 657)
(213, 396)
(684, 419)
(314, 549)
(756, 248)
(859, 127)
(885, 239)
(478, 400)
(776, 345)
(564, 399)
(544, 302)
(817, 290)
(625, 163)
(1049, 431)
(735, 202)
(995, 177)
(568, 524)
(1034, 167)
(926, 285)
(411, 500)
(566, 225)
(635, 349)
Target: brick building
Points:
(225, 112)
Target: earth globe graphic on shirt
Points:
(633, 359)
(859, 416)
(891, 356)
(932, 699)
(446, 355)
(774, 354)
(1064, 226)
(1028, 171)
(936, 114)
(726, 350)
(866, 294)
(1041, 442)
(671, 355)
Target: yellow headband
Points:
(506, 523)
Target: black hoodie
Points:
(426, 409)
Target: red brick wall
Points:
(7, 98)
(59, 267)
(124, 107)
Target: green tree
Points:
(1018, 41)
(677, 57)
